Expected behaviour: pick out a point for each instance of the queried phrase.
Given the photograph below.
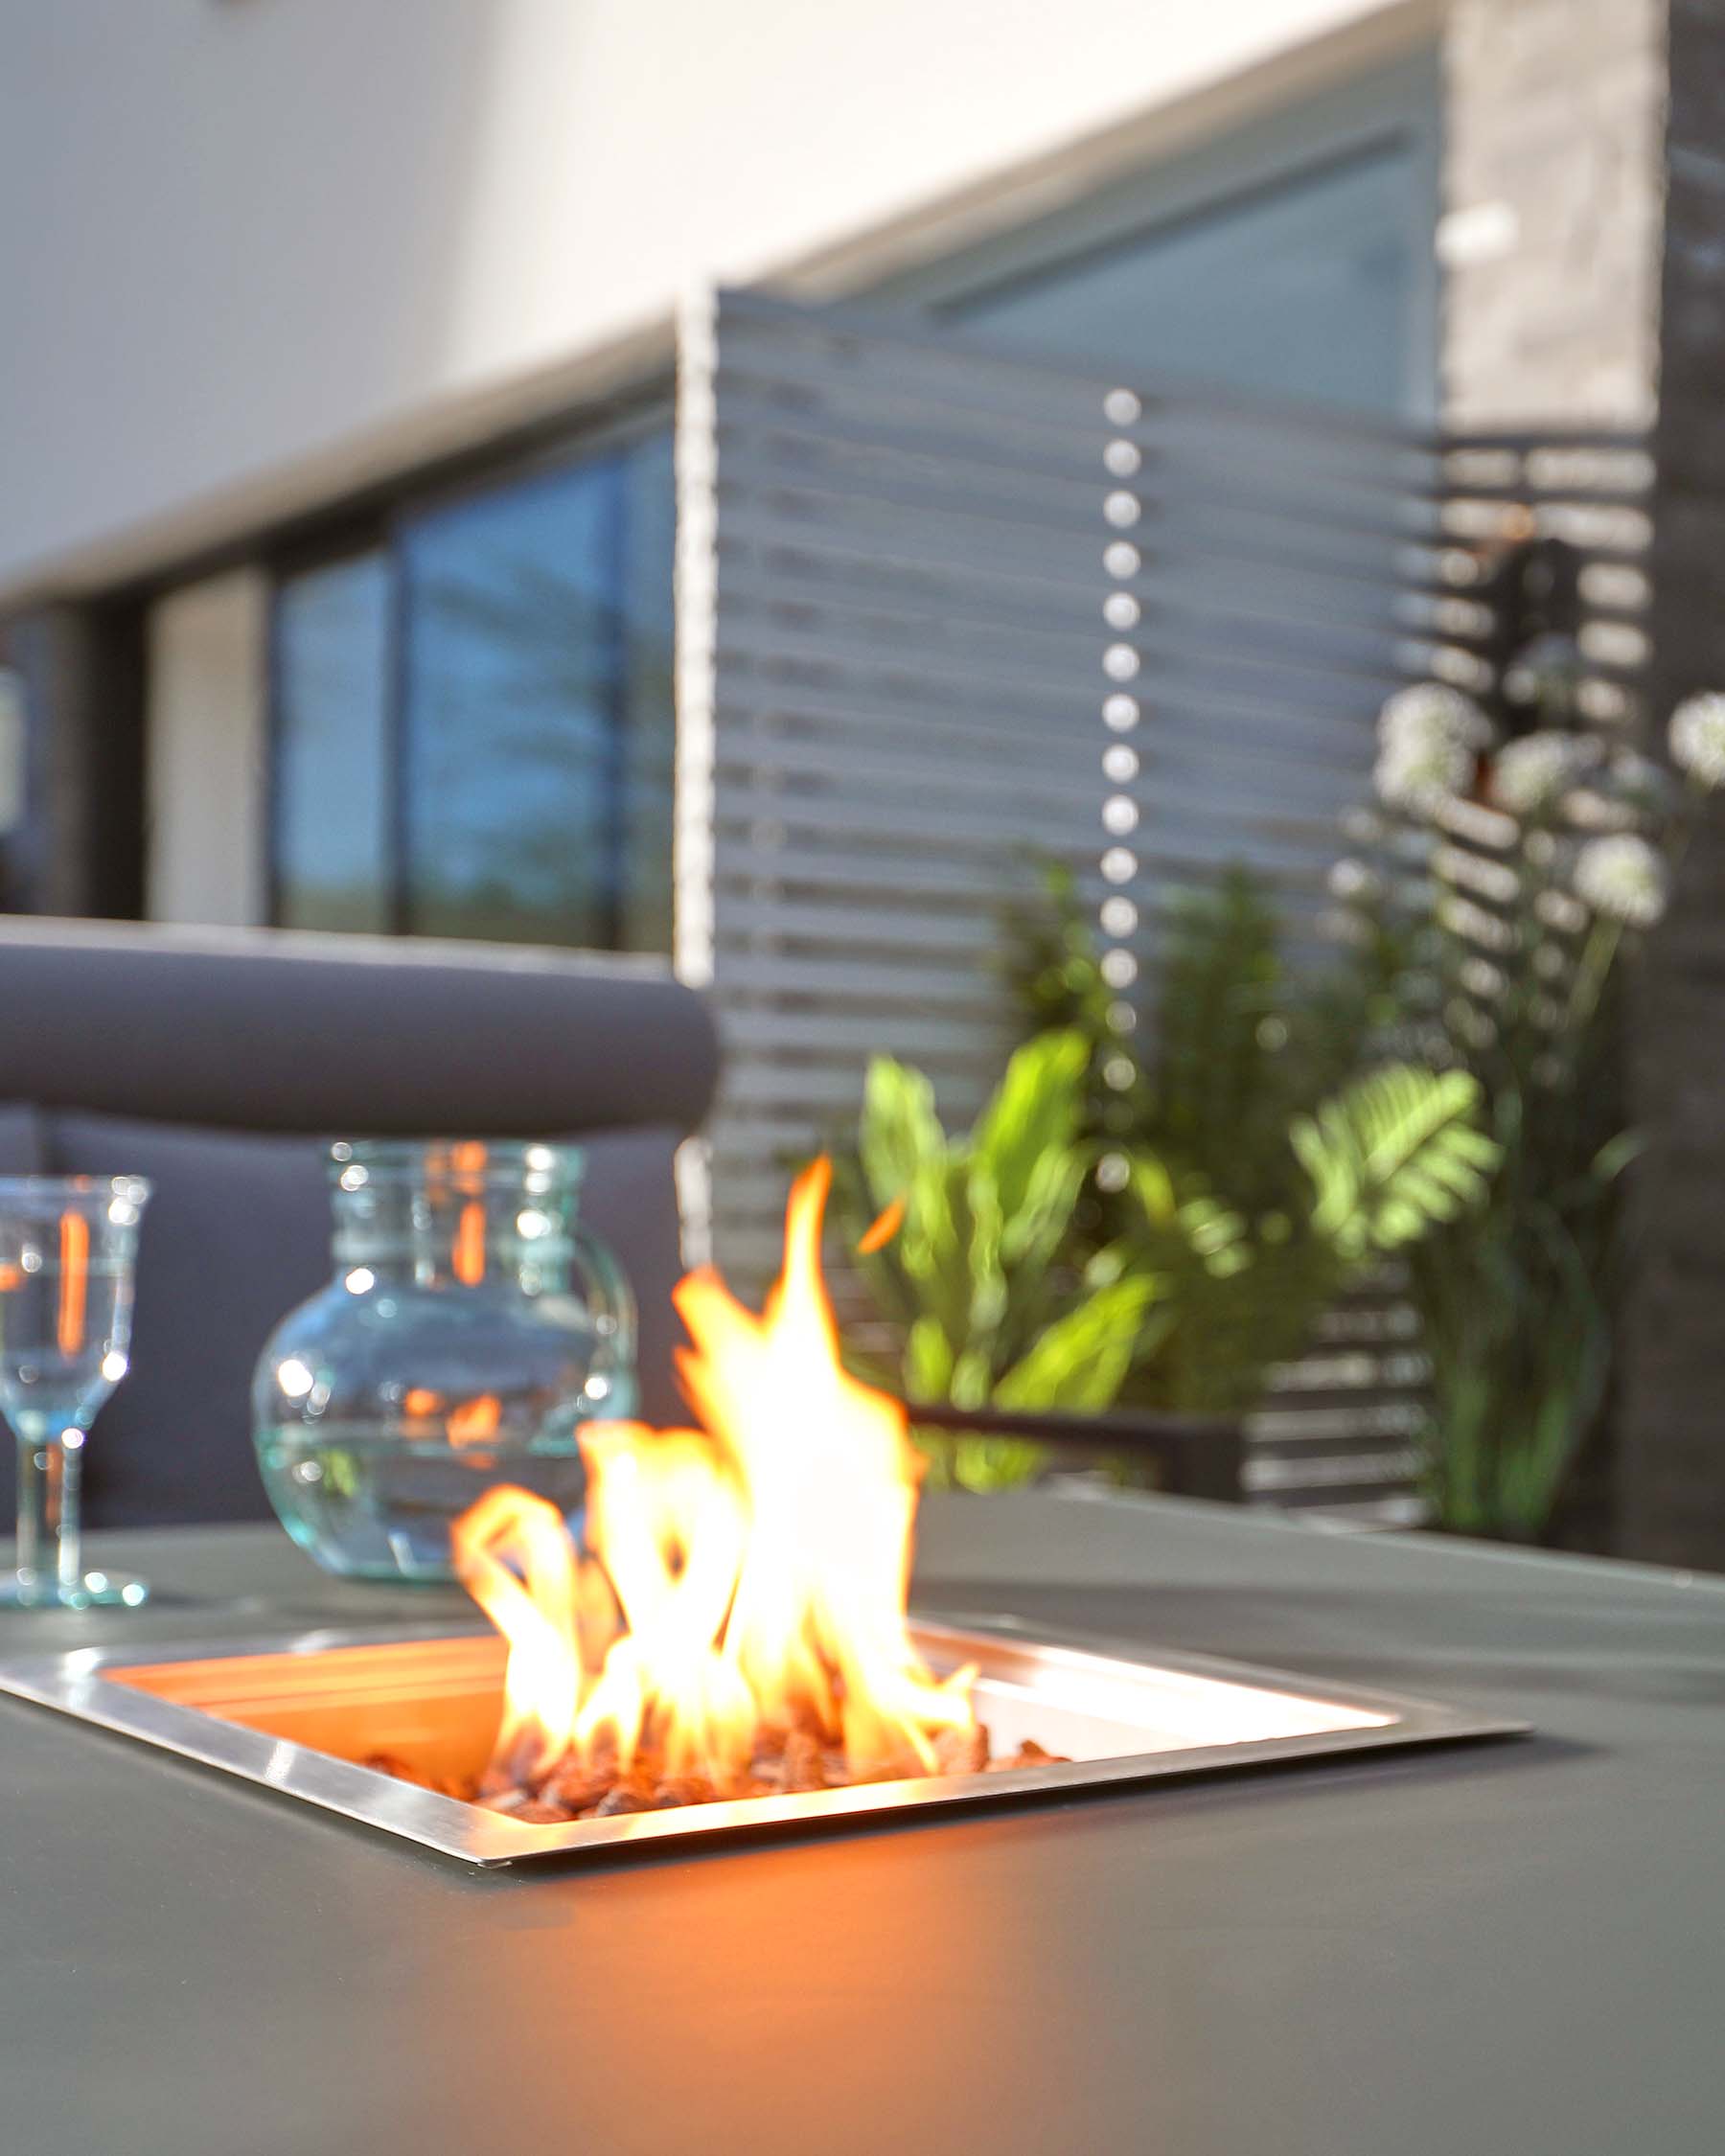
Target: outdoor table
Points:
(1515, 1948)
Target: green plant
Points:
(1010, 1279)
(1240, 1043)
(1376, 1168)
(1393, 1156)
(1224, 1083)
(1484, 936)
(980, 1282)
(1516, 877)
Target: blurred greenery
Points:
(982, 1280)
(1047, 1258)
(1514, 1298)
(1435, 1088)
(1510, 1221)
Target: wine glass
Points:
(67, 1244)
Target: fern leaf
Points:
(1397, 1154)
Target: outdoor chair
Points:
(221, 1064)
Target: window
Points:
(472, 730)
(1303, 289)
(334, 844)
(1290, 257)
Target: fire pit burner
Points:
(300, 1715)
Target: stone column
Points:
(1584, 240)
(1672, 1417)
(1549, 239)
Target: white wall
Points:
(204, 839)
(250, 249)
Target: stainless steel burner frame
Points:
(280, 1712)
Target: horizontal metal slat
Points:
(802, 818)
(1210, 526)
(925, 354)
(875, 668)
(775, 767)
(1177, 460)
(907, 980)
(831, 871)
(915, 933)
(848, 622)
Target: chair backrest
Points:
(220, 1064)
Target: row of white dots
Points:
(1121, 612)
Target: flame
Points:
(881, 1230)
(74, 1266)
(470, 1244)
(473, 1421)
(517, 1562)
(466, 1169)
(746, 1577)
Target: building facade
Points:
(337, 556)
(342, 308)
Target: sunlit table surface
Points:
(1515, 1949)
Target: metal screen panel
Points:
(898, 611)
(940, 605)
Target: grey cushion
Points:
(260, 1031)
(22, 1150)
(236, 1233)
(214, 1062)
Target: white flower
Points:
(1698, 737)
(1420, 776)
(1428, 737)
(1353, 883)
(1428, 713)
(1622, 878)
(1533, 774)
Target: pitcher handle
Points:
(612, 1302)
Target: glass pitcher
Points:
(470, 1328)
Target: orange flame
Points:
(470, 1244)
(473, 1421)
(881, 1230)
(747, 1576)
(73, 1282)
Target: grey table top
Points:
(1515, 1949)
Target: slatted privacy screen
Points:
(1587, 489)
(942, 607)
(1335, 1430)
(900, 689)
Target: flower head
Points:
(1622, 878)
(1428, 739)
(1428, 711)
(1419, 778)
(1533, 775)
(1698, 737)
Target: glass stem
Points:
(50, 1540)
